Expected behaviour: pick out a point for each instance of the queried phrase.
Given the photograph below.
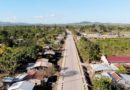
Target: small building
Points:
(115, 76)
(119, 59)
(38, 70)
(121, 79)
(7, 81)
(103, 67)
(22, 85)
(41, 63)
(49, 52)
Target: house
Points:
(7, 81)
(116, 60)
(41, 63)
(20, 77)
(120, 79)
(22, 85)
(126, 78)
(103, 67)
(39, 69)
(115, 76)
(32, 74)
(49, 52)
(119, 59)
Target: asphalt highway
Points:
(72, 76)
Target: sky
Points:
(65, 11)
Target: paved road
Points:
(72, 74)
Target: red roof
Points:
(118, 59)
(115, 76)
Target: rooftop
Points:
(103, 67)
(118, 59)
(23, 85)
(115, 76)
(41, 62)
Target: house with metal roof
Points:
(22, 85)
(41, 63)
(119, 79)
(103, 67)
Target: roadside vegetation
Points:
(105, 84)
(88, 50)
(20, 45)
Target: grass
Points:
(115, 46)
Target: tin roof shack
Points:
(37, 70)
(97, 69)
(8, 81)
(121, 79)
(40, 69)
(22, 85)
(41, 63)
(103, 67)
(49, 52)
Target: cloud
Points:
(39, 17)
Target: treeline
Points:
(20, 44)
(100, 28)
(15, 36)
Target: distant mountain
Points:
(98, 23)
(84, 23)
(12, 24)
